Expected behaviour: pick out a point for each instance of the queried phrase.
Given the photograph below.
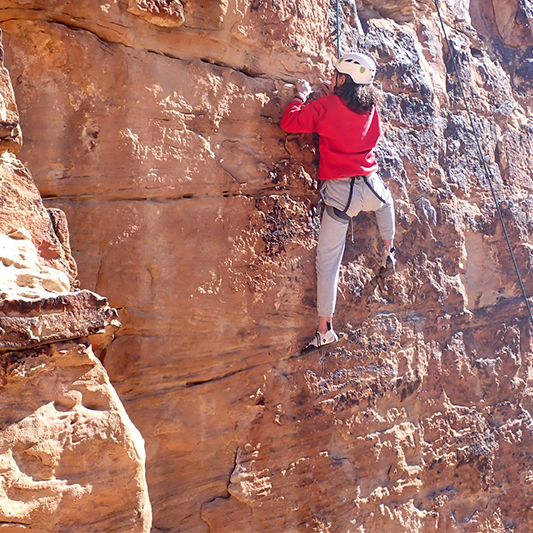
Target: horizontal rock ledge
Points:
(27, 323)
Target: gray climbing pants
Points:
(332, 238)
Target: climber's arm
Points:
(299, 118)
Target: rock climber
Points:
(348, 124)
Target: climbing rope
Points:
(338, 32)
(478, 144)
(484, 164)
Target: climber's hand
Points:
(303, 89)
(327, 87)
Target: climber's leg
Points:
(331, 242)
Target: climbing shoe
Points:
(319, 340)
(389, 265)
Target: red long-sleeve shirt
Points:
(347, 139)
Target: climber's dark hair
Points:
(358, 98)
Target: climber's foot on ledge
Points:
(319, 340)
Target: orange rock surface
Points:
(71, 460)
(157, 132)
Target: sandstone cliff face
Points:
(154, 126)
(67, 446)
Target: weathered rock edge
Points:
(28, 323)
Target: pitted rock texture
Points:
(70, 455)
(71, 459)
(159, 12)
(194, 213)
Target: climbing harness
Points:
(343, 215)
(484, 164)
(374, 191)
(345, 212)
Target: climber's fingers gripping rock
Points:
(303, 89)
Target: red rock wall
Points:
(71, 460)
(154, 126)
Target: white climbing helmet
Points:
(360, 67)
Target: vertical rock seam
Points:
(71, 458)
